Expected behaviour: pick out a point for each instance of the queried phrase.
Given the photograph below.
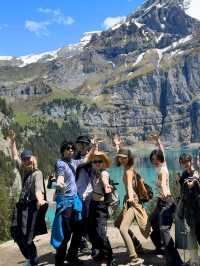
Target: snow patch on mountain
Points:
(139, 25)
(87, 36)
(30, 59)
(193, 10)
(6, 58)
(158, 39)
(139, 59)
(173, 48)
(25, 60)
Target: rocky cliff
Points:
(141, 75)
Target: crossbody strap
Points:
(71, 167)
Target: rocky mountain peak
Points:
(166, 16)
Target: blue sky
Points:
(36, 26)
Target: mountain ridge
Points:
(140, 75)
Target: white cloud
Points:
(37, 27)
(111, 21)
(57, 16)
(53, 16)
(193, 9)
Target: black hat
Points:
(83, 139)
(26, 154)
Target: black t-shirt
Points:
(189, 193)
(184, 176)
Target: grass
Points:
(103, 100)
(22, 118)
(28, 72)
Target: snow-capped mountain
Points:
(141, 75)
(70, 50)
(28, 59)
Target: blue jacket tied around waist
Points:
(62, 204)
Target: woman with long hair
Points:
(133, 209)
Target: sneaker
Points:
(136, 261)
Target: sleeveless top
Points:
(159, 188)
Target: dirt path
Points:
(11, 256)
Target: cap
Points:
(83, 139)
(124, 152)
(26, 154)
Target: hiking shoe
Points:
(136, 261)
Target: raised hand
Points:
(95, 143)
(34, 162)
(93, 139)
(13, 146)
(117, 140)
(12, 135)
(154, 137)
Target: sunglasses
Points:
(97, 161)
(26, 159)
(70, 148)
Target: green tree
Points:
(7, 197)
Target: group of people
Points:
(82, 194)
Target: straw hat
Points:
(104, 158)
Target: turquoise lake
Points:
(144, 167)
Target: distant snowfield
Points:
(194, 9)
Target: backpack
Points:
(144, 191)
(112, 199)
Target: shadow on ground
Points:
(121, 258)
